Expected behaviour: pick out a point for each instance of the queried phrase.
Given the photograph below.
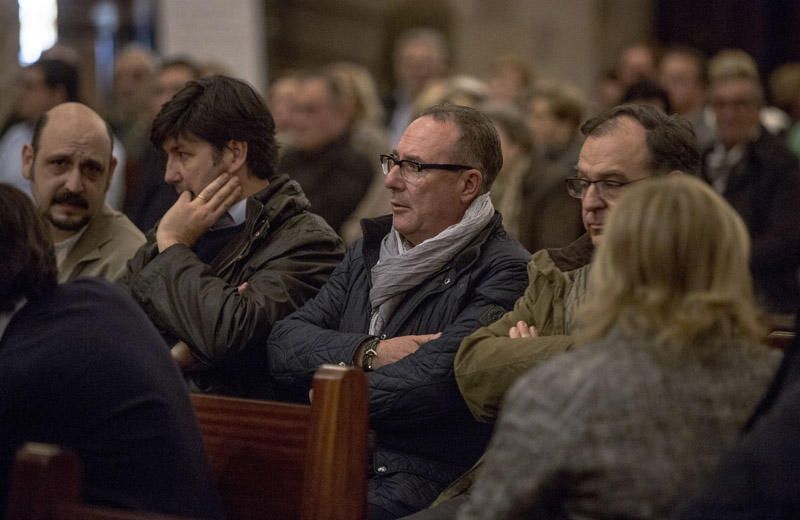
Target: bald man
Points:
(69, 164)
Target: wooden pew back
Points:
(283, 460)
(270, 460)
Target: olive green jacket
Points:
(488, 361)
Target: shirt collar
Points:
(238, 212)
(235, 216)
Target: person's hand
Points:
(188, 218)
(522, 330)
(393, 350)
(183, 356)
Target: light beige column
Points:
(569, 39)
(9, 54)
(229, 32)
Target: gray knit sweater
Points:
(616, 429)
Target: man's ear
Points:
(238, 154)
(27, 161)
(472, 185)
(111, 167)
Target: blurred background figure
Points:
(607, 92)
(509, 188)
(333, 174)
(637, 62)
(461, 89)
(280, 99)
(784, 86)
(420, 56)
(667, 371)
(682, 73)
(510, 81)
(530, 191)
(367, 136)
(736, 62)
(759, 176)
(171, 76)
(648, 92)
(134, 71)
(41, 86)
(555, 112)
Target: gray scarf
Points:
(401, 267)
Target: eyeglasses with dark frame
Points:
(606, 188)
(408, 166)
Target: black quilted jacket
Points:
(425, 435)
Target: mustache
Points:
(73, 199)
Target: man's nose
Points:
(394, 180)
(74, 182)
(591, 198)
(171, 173)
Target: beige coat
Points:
(109, 241)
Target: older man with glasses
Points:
(627, 144)
(398, 306)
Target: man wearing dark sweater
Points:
(238, 250)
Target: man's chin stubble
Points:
(69, 224)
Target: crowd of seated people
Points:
(560, 300)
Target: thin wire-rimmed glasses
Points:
(606, 188)
(413, 170)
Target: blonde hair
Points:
(673, 266)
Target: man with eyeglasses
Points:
(421, 279)
(625, 145)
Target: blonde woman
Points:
(669, 369)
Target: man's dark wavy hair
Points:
(219, 109)
(670, 140)
(27, 261)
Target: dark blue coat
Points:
(425, 435)
(84, 368)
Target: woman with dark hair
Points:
(27, 263)
(81, 366)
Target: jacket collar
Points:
(376, 228)
(282, 199)
(98, 233)
(574, 256)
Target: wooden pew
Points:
(45, 485)
(270, 460)
(278, 460)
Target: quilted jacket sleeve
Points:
(310, 337)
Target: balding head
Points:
(69, 164)
(76, 114)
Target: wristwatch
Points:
(370, 353)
